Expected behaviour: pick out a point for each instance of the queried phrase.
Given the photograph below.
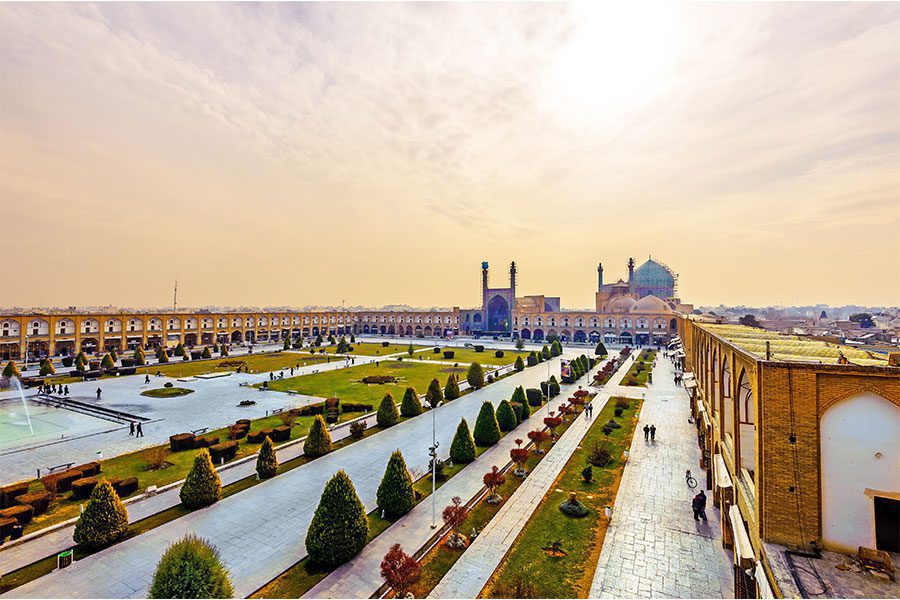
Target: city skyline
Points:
(310, 154)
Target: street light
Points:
(432, 452)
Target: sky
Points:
(314, 153)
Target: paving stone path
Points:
(653, 547)
(470, 573)
(261, 531)
(360, 577)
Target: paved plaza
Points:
(261, 531)
(653, 547)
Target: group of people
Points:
(650, 433)
(137, 430)
(59, 389)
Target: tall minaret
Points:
(599, 277)
(630, 271)
(512, 280)
(484, 276)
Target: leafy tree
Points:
(318, 440)
(475, 376)
(863, 319)
(267, 462)
(339, 528)
(399, 570)
(520, 365)
(520, 344)
(750, 321)
(107, 362)
(601, 350)
(191, 568)
(47, 368)
(395, 493)
(343, 347)
(462, 448)
(519, 396)
(538, 436)
(104, 520)
(411, 406)
(545, 353)
(451, 390)
(179, 350)
(206, 353)
(493, 479)
(434, 395)
(487, 431)
(387, 412)
(410, 350)
(555, 348)
(454, 515)
(506, 417)
(202, 485)
(286, 345)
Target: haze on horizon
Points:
(293, 154)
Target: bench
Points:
(876, 560)
(64, 467)
(200, 431)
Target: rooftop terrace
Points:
(794, 348)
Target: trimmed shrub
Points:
(104, 520)
(395, 493)
(449, 354)
(125, 487)
(11, 370)
(267, 462)
(487, 431)
(437, 350)
(520, 364)
(206, 353)
(339, 528)
(202, 486)
(434, 395)
(179, 349)
(506, 416)
(532, 359)
(191, 568)
(462, 448)
(520, 398)
(600, 455)
(411, 406)
(39, 501)
(162, 356)
(387, 412)
(545, 353)
(223, 451)
(107, 362)
(358, 429)
(139, 357)
(83, 487)
(479, 348)
(498, 354)
(517, 409)
(534, 396)
(555, 348)
(451, 390)
(318, 441)
(475, 376)
(47, 368)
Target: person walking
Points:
(698, 505)
(146, 379)
(66, 391)
(646, 432)
(140, 431)
(99, 391)
(653, 433)
(131, 428)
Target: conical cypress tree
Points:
(410, 406)
(487, 431)
(451, 390)
(475, 376)
(532, 359)
(81, 357)
(506, 416)
(191, 568)
(104, 520)
(318, 440)
(47, 368)
(520, 365)
(113, 354)
(339, 528)
(519, 396)
(545, 353)
(107, 362)
(139, 357)
(287, 343)
(556, 348)
(179, 350)
(434, 395)
(395, 493)
(387, 412)
(206, 353)
(462, 448)
(202, 485)
(162, 356)
(601, 350)
(267, 462)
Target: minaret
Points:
(599, 277)
(484, 276)
(512, 280)
(631, 275)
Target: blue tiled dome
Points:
(653, 276)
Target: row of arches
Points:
(644, 323)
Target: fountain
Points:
(18, 385)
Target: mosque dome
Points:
(620, 304)
(650, 304)
(652, 275)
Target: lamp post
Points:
(432, 452)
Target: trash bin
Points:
(64, 559)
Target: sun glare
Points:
(618, 58)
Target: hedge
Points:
(339, 528)
(191, 568)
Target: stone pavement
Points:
(653, 547)
(470, 573)
(360, 577)
(261, 531)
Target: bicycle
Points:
(689, 479)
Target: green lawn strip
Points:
(371, 349)
(528, 570)
(644, 361)
(44, 566)
(167, 392)
(345, 383)
(135, 464)
(469, 355)
(439, 559)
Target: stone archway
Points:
(525, 334)
(498, 314)
(237, 337)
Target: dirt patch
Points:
(378, 379)
(452, 370)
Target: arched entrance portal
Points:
(498, 314)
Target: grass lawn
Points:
(135, 464)
(468, 355)
(167, 392)
(639, 373)
(345, 383)
(373, 349)
(527, 570)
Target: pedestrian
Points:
(131, 428)
(146, 379)
(653, 433)
(99, 391)
(292, 371)
(140, 431)
(646, 432)
(66, 391)
(698, 505)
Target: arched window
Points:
(747, 431)
(727, 406)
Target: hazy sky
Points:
(309, 153)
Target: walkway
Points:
(360, 577)
(653, 547)
(261, 531)
(470, 573)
